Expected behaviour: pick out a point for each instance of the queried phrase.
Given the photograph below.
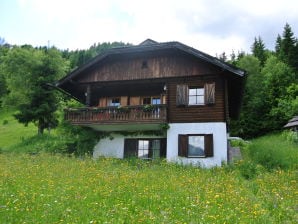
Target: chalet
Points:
(157, 100)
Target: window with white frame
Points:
(196, 96)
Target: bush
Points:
(69, 139)
(290, 136)
(248, 169)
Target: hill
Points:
(11, 131)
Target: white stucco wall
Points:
(110, 147)
(114, 147)
(218, 129)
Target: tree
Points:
(278, 76)
(287, 48)
(42, 104)
(249, 123)
(258, 50)
(17, 66)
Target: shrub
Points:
(248, 169)
(290, 136)
(68, 139)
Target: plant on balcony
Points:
(148, 108)
(122, 109)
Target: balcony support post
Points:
(88, 95)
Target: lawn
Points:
(12, 132)
(45, 188)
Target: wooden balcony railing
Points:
(143, 113)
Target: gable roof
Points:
(292, 123)
(149, 46)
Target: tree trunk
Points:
(40, 129)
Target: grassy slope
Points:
(13, 132)
(56, 189)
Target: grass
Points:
(12, 132)
(39, 187)
(273, 151)
(58, 189)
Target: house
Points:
(292, 124)
(157, 100)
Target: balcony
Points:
(144, 117)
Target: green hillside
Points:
(12, 132)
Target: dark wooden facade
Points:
(131, 74)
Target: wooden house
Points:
(133, 92)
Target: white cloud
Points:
(212, 26)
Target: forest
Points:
(270, 95)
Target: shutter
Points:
(208, 145)
(130, 148)
(123, 100)
(182, 145)
(163, 147)
(209, 93)
(182, 95)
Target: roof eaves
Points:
(152, 47)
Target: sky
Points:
(212, 26)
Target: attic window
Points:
(144, 65)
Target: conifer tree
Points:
(43, 103)
(258, 50)
(287, 48)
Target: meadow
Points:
(40, 183)
(44, 188)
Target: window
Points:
(146, 100)
(151, 100)
(186, 95)
(145, 148)
(156, 100)
(195, 145)
(114, 102)
(196, 96)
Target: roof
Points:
(150, 46)
(292, 123)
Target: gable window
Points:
(114, 102)
(196, 96)
(188, 95)
(195, 145)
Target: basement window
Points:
(195, 145)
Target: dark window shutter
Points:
(182, 95)
(208, 145)
(182, 145)
(130, 148)
(209, 93)
(163, 147)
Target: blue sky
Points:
(212, 26)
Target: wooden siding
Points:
(200, 113)
(162, 66)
